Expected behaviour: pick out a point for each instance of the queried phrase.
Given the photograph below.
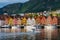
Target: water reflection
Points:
(18, 34)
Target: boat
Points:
(6, 26)
(32, 29)
(49, 27)
(15, 27)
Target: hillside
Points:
(12, 8)
(32, 6)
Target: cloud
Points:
(6, 2)
(3, 4)
(13, 1)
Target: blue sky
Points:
(6, 2)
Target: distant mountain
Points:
(1, 11)
(32, 6)
(12, 8)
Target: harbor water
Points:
(20, 34)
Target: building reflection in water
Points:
(48, 32)
(45, 34)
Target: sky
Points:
(6, 2)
